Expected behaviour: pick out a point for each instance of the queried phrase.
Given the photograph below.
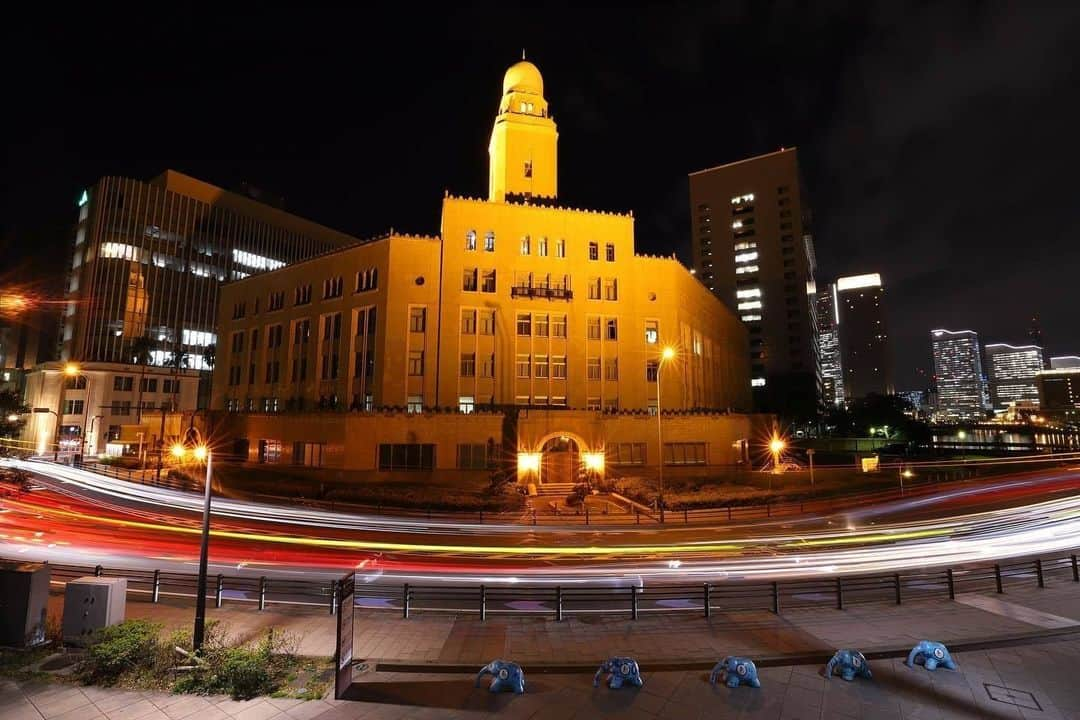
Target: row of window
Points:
(126, 383)
(527, 246)
(479, 456)
(366, 280)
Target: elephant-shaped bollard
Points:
(737, 671)
(851, 663)
(623, 670)
(930, 655)
(507, 676)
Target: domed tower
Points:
(522, 153)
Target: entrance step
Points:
(562, 489)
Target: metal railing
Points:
(631, 600)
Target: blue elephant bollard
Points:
(930, 655)
(507, 676)
(623, 670)
(737, 671)
(851, 663)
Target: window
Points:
(652, 370)
(542, 246)
(466, 404)
(332, 288)
(609, 252)
(170, 386)
(525, 245)
(237, 342)
(468, 364)
(593, 325)
(255, 339)
(468, 282)
(302, 295)
(416, 362)
(489, 241)
(468, 322)
(406, 456)
(251, 374)
(487, 366)
(472, 456)
(611, 369)
(652, 332)
(524, 324)
(528, 163)
(592, 403)
(541, 366)
(239, 310)
(77, 382)
(560, 248)
(275, 301)
(302, 331)
(74, 407)
(417, 319)
(274, 335)
(540, 325)
(487, 322)
(558, 326)
(521, 399)
(470, 240)
(594, 251)
(558, 367)
(332, 326)
(540, 400)
(612, 329)
(558, 400)
(367, 280)
(270, 405)
(592, 366)
(148, 384)
(611, 404)
(594, 288)
(523, 366)
(625, 454)
(488, 284)
(690, 453)
(120, 407)
(308, 453)
(414, 404)
(611, 289)
(123, 383)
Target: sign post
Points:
(343, 655)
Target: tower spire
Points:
(522, 53)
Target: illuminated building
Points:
(524, 323)
(1062, 362)
(753, 249)
(958, 374)
(864, 339)
(147, 263)
(1011, 371)
(828, 323)
(1059, 394)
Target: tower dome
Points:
(523, 77)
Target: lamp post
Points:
(810, 455)
(201, 453)
(71, 370)
(668, 353)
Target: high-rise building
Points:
(1011, 370)
(148, 261)
(828, 325)
(752, 247)
(526, 328)
(1062, 362)
(958, 374)
(1059, 395)
(864, 338)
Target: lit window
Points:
(594, 251)
(751, 305)
(749, 293)
(743, 269)
(746, 257)
(542, 247)
(466, 404)
(745, 245)
(525, 245)
(757, 382)
(750, 318)
(489, 241)
(560, 248)
(470, 240)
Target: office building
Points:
(1062, 362)
(828, 323)
(865, 352)
(147, 264)
(1011, 370)
(752, 247)
(1059, 395)
(527, 327)
(958, 375)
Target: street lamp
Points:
(668, 353)
(201, 453)
(71, 370)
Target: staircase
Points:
(560, 489)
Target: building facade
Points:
(1061, 362)
(958, 375)
(753, 248)
(521, 311)
(866, 355)
(1059, 395)
(1011, 371)
(828, 323)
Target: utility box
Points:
(24, 602)
(92, 603)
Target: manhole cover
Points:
(1012, 696)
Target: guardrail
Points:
(632, 600)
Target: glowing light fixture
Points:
(668, 353)
(177, 450)
(12, 417)
(200, 452)
(71, 369)
(594, 461)
(528, 462)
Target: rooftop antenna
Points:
(522, 53)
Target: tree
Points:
(877, 411)
(11, 404)
(210, 355)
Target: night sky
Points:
(939, 145)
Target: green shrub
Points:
(118, 649)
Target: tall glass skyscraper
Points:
(958, 374)
(864, 338)
(828, 320)
(1012, 372)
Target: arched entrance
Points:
(560, 460)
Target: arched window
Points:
(489, 241)
(470, 240)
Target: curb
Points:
(810, 657)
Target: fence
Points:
(559, 602)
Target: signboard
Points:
(870, 464)
(343, 655)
